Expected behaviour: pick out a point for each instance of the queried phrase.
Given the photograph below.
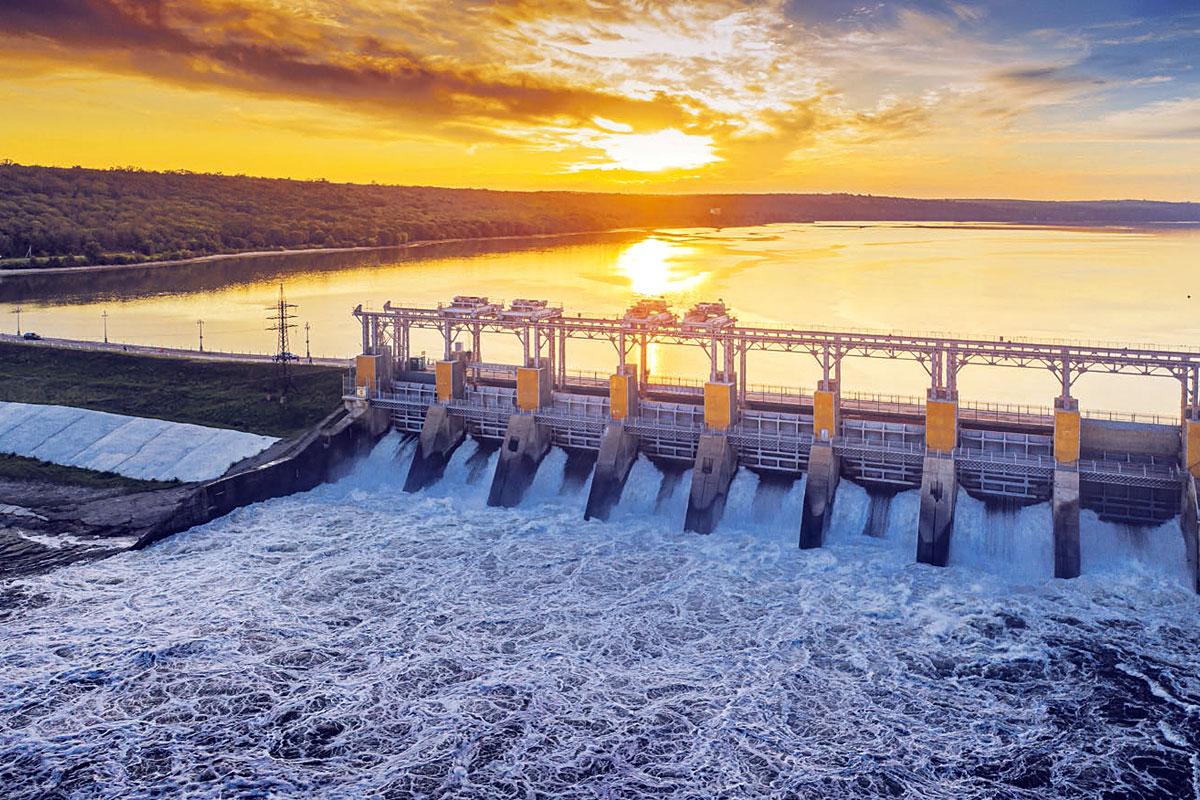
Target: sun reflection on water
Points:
(653, 267)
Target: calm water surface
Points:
(1121, 285)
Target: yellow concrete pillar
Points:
(720, 404)
(623, 394)
(1191, 443)
(1067, 431)
(533, 388)
(826, 411)
(450, 379)
(367, 370)
(941, 423)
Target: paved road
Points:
(169, 352)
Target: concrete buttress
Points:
(525, 445)
(716, 464)
(939, 490)
(618, 451)
(441, 434)
(824, 469)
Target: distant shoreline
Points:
(14, 272)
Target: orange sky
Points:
(921, 98)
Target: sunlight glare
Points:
(654, 152)
(648, 265)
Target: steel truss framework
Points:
(544, 341)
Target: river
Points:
(1109, 284)
(356, 641)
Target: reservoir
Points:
(1122, 285)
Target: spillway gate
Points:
(1125, 469)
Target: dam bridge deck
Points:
(1135, 469)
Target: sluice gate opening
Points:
(1126, 470)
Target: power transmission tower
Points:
(281, 323)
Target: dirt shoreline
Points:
(15, 272)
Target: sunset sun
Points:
(653, 152)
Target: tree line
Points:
(53, 216)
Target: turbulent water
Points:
(357, 641)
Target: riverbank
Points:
(52, 514)
(51, 520)
(8, 271)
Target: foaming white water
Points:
(739, 501)
(1015, 542)
(547, 484)
(1107, 548)
(356, 640)
(639, 497)
(849, 515)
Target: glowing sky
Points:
(1066, 99)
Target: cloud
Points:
(266, 51)
(1177, 119)
(1045, 83)
(721, 88)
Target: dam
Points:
(1128, 469)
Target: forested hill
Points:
(76, 216)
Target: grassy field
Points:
(238, 396)
(20, 468)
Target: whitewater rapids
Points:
(357, 641)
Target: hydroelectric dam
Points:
(1122, 468)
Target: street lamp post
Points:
(104, 316)
(200, 325)
(17, 311)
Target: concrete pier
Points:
(824, 469)
(716, 464)
(533, 388)
(623, 393)
(440, 436)
(371, 371)
(1189, 523)
(618, 451)
(939, 478)
(525, 445)
(450, 379)
(374, 420)
(939, 490)
(1190, 451)
(1064, 499)
(1064, 505)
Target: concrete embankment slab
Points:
(136, 447)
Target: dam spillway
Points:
(1125, 469)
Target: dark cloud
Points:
(269, 52)
(1046, 80)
